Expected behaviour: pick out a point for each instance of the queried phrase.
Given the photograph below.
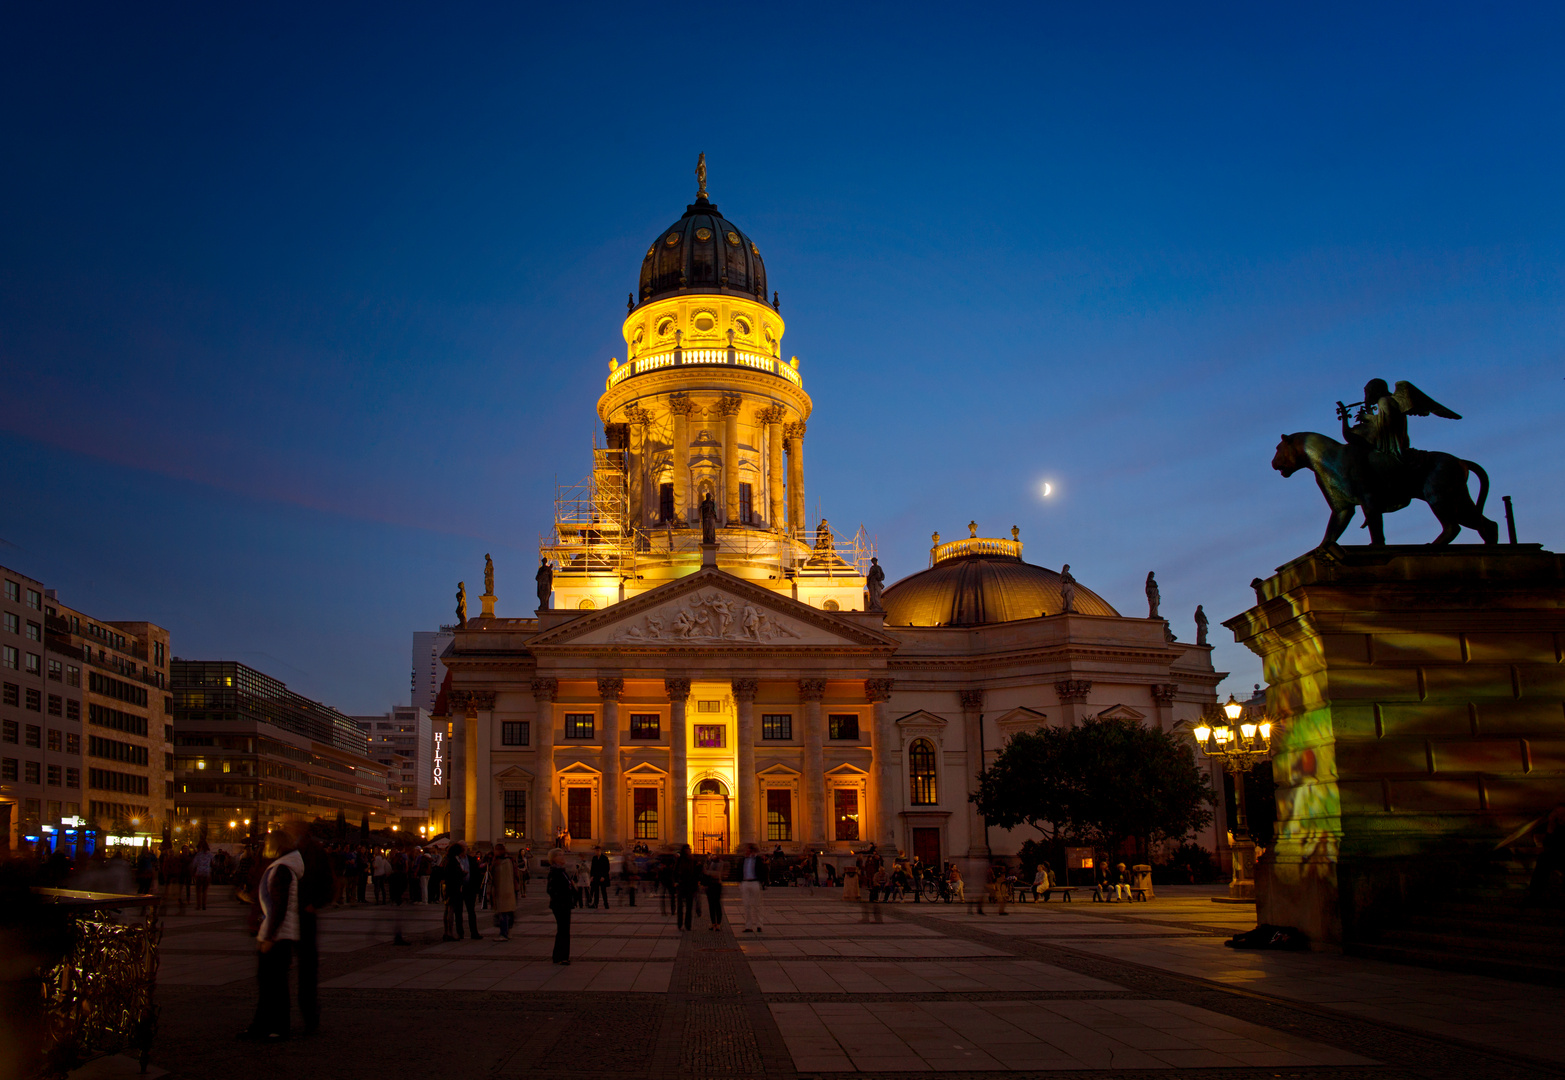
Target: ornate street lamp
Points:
(1240, 739)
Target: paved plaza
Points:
(929, 988)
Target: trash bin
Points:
(1141, 878)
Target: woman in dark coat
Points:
(562, 893)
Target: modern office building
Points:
(246, 748)
(84, 724)
(401, 741)
(427, 669)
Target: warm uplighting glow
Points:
(1232, 709)
(1202, 733)
(247, 821)
(200, 764)
(233, 824)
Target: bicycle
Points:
(938, 889)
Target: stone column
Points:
(729, 408)
(609, 690)
(794, 434)
(810, 692)
(878, 693)
(547, 813)
(678, 691)
(972, 718)
(480, 806)
(458, 759)
(638, 419)
(1073, 695)
(772, 419)
(679, 457)
(744, 699)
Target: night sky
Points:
(303, 309)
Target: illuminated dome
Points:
(702, 252)
(978, 581)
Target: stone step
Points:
(1471, 964)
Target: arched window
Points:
(921, 772)
(710, 787)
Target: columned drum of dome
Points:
(982, 580)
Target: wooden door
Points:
(926, 847)
(710, 826)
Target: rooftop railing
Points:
(976, 545)
(703, 358)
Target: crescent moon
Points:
(1048, 489)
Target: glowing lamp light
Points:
(233, 824)
(1266, 730)
(1232, 709)
(1248, 730)
(1202, 733)
(1222, 733)
(247, 821)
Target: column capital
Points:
(972, 699)
(677, 689)
(545, 689)
(1163, 693)
(610, 688)
(812, 689)
(456, 701)
(744, 689)
(772, 414)
(876, 690)
(680, 404)
(1073, 691)
(794, 430)
(728, 405)
(635, 414)
(481, 699)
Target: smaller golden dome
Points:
(979, 580)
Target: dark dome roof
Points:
(971, 590)
(702, 252)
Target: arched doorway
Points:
(709, 817)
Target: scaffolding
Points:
(593, 529)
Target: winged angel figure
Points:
(1382, 417)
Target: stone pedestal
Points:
(709, 555)
(1241, 887)
(488, 605)
(1418, 698)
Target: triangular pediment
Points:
(921, 719)
(514, 773)
(646, 768)
(711, 609)
(1122, 712)
(1021, 719)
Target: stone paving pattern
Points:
(936, 989)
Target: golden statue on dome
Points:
(701, 176)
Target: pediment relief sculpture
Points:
(709, 615)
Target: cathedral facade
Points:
(705, 666)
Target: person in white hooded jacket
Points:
(275, 940)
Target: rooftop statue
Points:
(1067, 591)
(708, 519)
(461, 603)
(1200, 625)
(875, 580)
(701, 175)
(545, 579)
(488, 574)
(1376, 468)
(1154, 597)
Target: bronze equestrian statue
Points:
(1376, 469)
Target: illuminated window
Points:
(644, 804)
(645, 725)
(846, 803)
(578, 811)
(578, 726)
(709, 706)
(777, 726)
(779, 814)
(711, 736)
(843, 725)
(921, 773)
(515, 815)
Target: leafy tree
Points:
(1101, 783)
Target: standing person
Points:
(713, 881)
(317, 888)
(850, 883)
(382, 867)
(918, 881)
(1001, 887)
(583, 884)
(472, 887)
(561, 893)
(505, 882)
(687, 878)
(752, 879)
(146, 871)
(362, 872)
(201, 868)
(422, 868)
(399, 875)
(599, 886)
(454, 877)
(278, 894)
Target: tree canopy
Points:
(1100, 783)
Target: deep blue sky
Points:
(303, 309)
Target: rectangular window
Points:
(53, 776)
(30, 773)
(846, 804)
(844, 725)
(34, 736)
(34, 599)
(73, 778)
(34, 664)
(709, 706)
(514, 733)
(779, 814)
(34, 699)
(73, 743)
(56, 705)
(54, 740)
(646, 725)
(711, 736)
(10, 658)
(777, 726)
(578, 725)
(13, 694)
(13, 591)
(665, 502)
(515, 815)
(578, 812)
(8, 768)
(13, 623)
(34, 631)
(56, 670)
(73, 711)
(73, 675)
(746, 505)
(11, 731)
(644, 804)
